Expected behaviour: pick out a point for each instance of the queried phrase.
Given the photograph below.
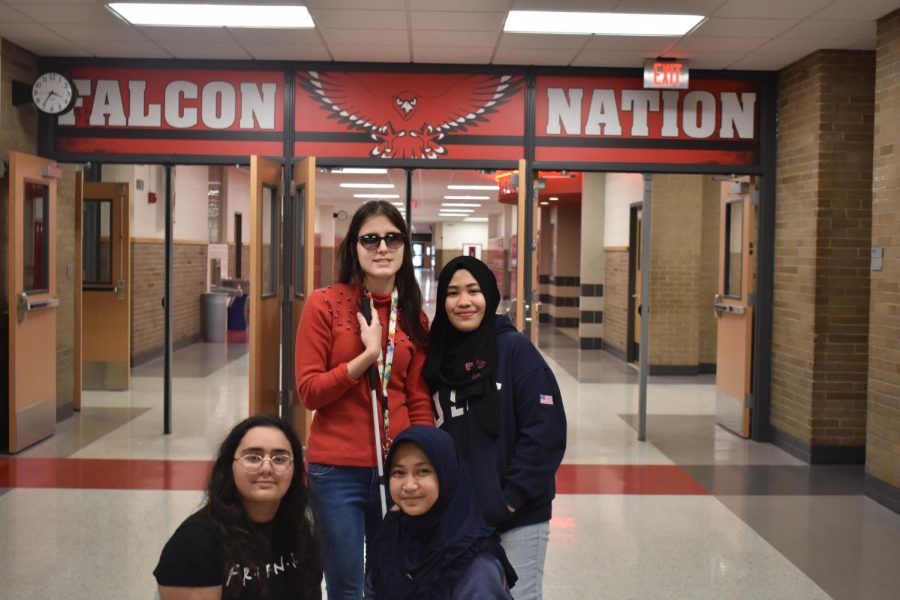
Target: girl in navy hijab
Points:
(434, 544)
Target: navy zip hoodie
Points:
(518, 467)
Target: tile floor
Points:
(694, 512)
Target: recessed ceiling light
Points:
(476, 219)
(461, 211)
(553, 198)
(214, 15)
(378, 186)
(472, 187)
(587, 23)
(545, 204)
(461, 204)
(377, 196)
(358, 171)
(467, 197)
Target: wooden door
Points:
(105, 276)
(265, 285)
(31, 301)
(733, 305)
(636, 269)
(303, 256)
(522, 245)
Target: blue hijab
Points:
(424, 557)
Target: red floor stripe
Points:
(626, 479)
(123, 474)
(106, 474)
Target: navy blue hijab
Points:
(424, 557)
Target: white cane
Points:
(366, 310)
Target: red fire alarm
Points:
(151, 198)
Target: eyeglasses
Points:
(252, 463)
(371, 241)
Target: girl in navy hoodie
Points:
(434, 543)
(498, 399)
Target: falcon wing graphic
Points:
(347, 99)
(468, 102)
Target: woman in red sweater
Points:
(334, 349)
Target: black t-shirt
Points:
(193, 558)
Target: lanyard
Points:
(385, 360)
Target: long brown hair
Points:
(409, 294)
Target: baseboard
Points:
(818, 454)
(883, 493)
(620, 354)
(64, 411)
(589, 343)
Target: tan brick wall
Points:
(189, 281)
(883, 440)
(675, 270)
(65, 289)
(823, 224)
(615, 293)
(709, 270)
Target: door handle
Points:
(120, 289)
(25, 306)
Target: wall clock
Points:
(53, 93)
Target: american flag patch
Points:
(547, 399)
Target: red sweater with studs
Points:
(327, 339)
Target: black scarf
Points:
(466, 362)
(424, 557)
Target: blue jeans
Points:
(526, 549)
(348, 512)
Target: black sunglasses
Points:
(371, 241)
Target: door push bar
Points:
(720, 307)
(25, 305)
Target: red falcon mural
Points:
(409, 116)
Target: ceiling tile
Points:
(381, 53)
(536, 56)
(15, 32)
(8, 14)
(119, 32)
(232, 51)
(776, 9)
(550, 42)
(800, 47)
(287, 52)
(68, 13)
(358, 19)
(766, 62)
(667, 7)
(357, 37)
(358, 4)
(863, 45)
(744, 27)
(609, 58)
(711, 60)
(134, 49)
(164, 35)
(448, 39)
(696, 45)
(854, 10)
(455, 21)
(651, 45)
(461, 5)
(826, 30)
(452, 54)
(58, 48)
(567, 5)
(276, 36)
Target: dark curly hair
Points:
(410, 296)
(292, 525)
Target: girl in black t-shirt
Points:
(253, 538)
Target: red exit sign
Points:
(666, 74)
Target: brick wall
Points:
(675, 271)
(615, 294)
(709, 269)
(65, 290)
(883, 439)
(823, 223)
(189, 281)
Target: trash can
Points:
(214, 316)
(237, 320)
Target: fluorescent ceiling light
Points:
(586, 23)
(553, 198)
(378, 186)
(472, 187)
(359, 171)
(467, 197)
(462, 204)
(456, 211)
(214, 15)
(377, 196)
(476, 219)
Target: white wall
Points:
(237, 184)
(147, 220)
(622, 190)
(454, 235)
(191, 203)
